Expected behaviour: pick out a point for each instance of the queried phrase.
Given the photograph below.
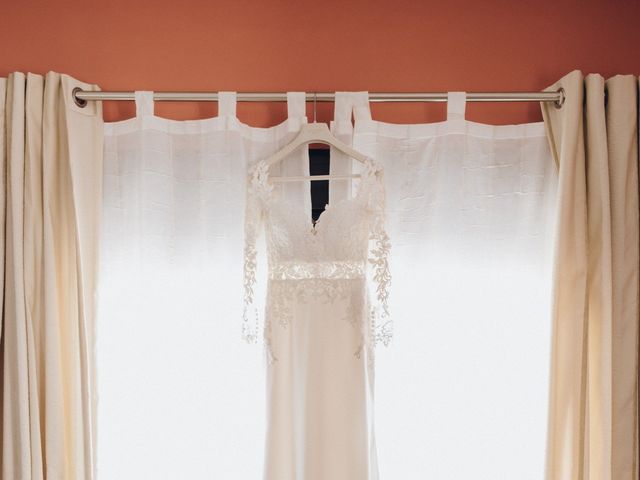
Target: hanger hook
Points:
(315, 100)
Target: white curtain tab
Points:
(227, 102)
(144, 103)
(348, 106)
(456, 105)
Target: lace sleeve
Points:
(257, 192)
(380, 276)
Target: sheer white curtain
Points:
(179, 394)
(462, 392)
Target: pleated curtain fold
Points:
(51, 201)
(593, 422)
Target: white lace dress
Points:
(320, 326)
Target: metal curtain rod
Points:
(81, 97)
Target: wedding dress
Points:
(325, 311)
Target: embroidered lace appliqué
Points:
(258, 192)
(325, 262)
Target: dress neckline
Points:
(260, 184)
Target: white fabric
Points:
(462, 391)
(468, 213)
(180, 395)
(321, 325)
(347, 104)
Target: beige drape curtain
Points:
(51, 192)
(593, 422)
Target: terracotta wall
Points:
(276, 45)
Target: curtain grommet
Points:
(558, 103)
(78, 101)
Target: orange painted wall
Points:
(277, 45)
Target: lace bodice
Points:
(347, 243)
